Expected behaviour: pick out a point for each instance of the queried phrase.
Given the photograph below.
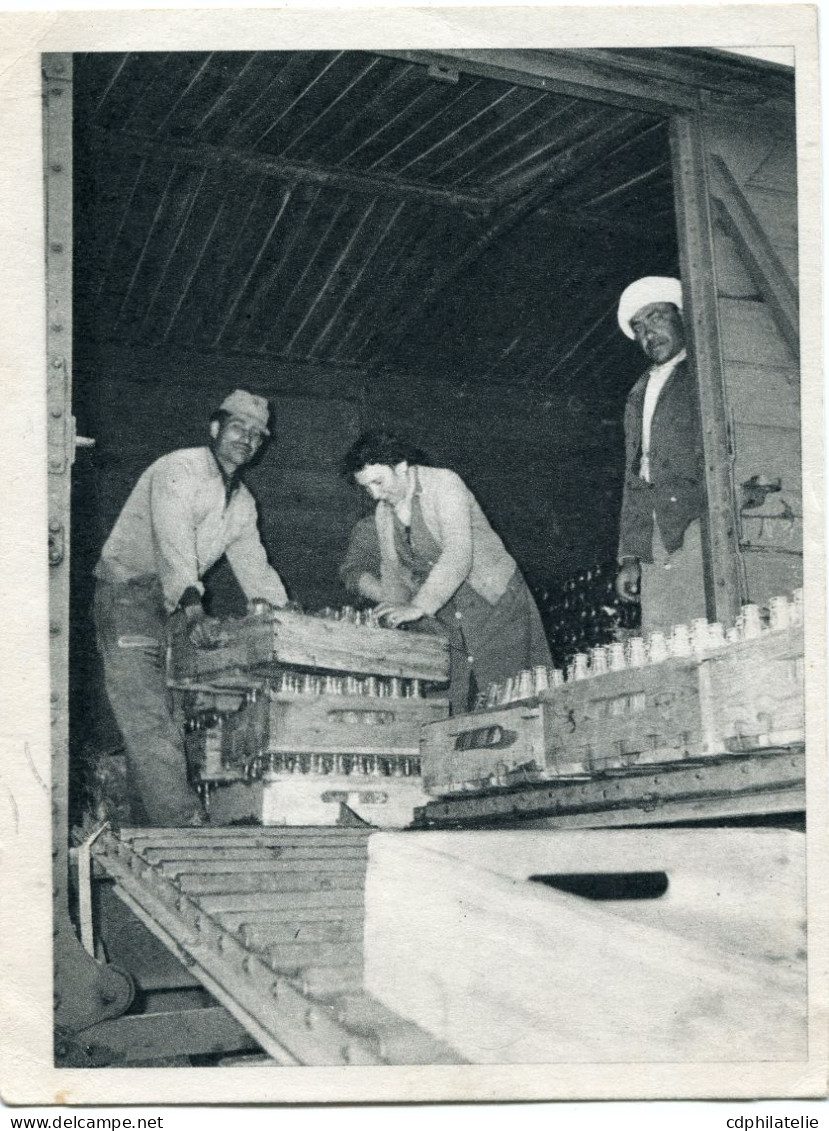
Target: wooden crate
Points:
(485, 746)
(349, 724)
(755, 692)
(318, 799)
(629, 717)
(290, 639)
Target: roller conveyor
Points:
(270, 921)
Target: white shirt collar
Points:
(667, 366)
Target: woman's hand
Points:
(370, 587)
(395, 615)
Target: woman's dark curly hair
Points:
(383, 447)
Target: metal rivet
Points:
(57, 363)
(56, 247)
(56, 328)
(54, 526)
(56, 92)
(54, 628)
(56, 167)
(57, 412)
(56, 463)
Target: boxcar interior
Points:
(366, 240)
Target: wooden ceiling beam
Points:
(560, 72)
(219, 157)
(732, 76)
(663, 79)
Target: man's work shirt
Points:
(657, 376)
(178, 521)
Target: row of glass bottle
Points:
(347, 614)
(700, 638)
(366, 765)
(306, 683)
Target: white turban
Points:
(653, 288)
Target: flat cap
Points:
(248, 407)
(653, 288)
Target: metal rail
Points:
(730, 785)
(270, 921)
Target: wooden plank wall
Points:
(761, 373)
(547, 471)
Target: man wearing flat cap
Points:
(660, 541)
(186, 511)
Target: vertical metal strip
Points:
(57, 171)
(724, 589)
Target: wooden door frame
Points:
(725, 588)
(57, 174)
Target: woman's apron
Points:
(487, 643)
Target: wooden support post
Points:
(724, 594)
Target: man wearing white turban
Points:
(660, 542)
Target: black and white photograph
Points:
(429, 440)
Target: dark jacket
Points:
(676, 493)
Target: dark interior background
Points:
(364, 240)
